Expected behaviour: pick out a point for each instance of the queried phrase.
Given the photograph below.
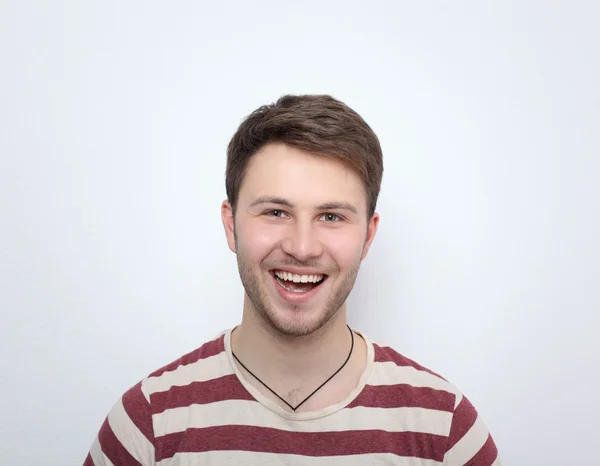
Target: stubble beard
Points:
(296, 325)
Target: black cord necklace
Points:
(294, 408)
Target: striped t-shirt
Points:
(199, 410)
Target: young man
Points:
(293, 383)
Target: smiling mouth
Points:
(297, 283)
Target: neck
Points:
(295, 360)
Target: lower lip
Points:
(292, 297)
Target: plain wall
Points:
(114, 120)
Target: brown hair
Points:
(318, 124)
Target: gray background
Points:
(115, 117)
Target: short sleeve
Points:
(469, 442)
(126, 437)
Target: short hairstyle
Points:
(317, 124)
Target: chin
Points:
(297, 322)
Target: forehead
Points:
(305, 179)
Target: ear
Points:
(228, 224)
(371, 231)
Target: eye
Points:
(331, 218)
(275, 213)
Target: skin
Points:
(298, 212)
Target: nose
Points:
(302, 242)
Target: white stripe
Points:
(384, 373)
(459, 398)
(244, 458)
(200, 371)
(144, 390)
(468, 446)
(129, 435)
(387, 373)
(497, 462)
(251, 413)
(98, 456)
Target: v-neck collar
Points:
(307, 415)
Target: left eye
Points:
(331, 217)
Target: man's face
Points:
(300, 232)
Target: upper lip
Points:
(296, 271)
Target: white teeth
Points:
(298, 278)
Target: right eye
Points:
(275, 213)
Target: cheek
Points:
(256, 241)
(346, 249)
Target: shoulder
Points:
(202, 365)
(128, 434)
(384, 353)
(211, 348)
(397, 380)
(390, 363)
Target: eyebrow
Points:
(337, 206)
(271, 200)
(284, 202)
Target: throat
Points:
(315, 389)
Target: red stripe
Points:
(207, 350)
(261, 439)
(462, 421)
(89, 461)
(404, 396)
(113, 449)
(387, 354)
(139, 411)
(486, 456)
(223, 388)
(229, 388)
